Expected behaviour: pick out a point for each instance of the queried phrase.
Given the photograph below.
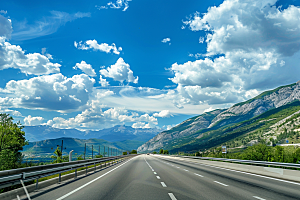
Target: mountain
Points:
(225, 125)
(114, 134)
(48, 146)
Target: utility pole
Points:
(84, 151)
(92, 151)
(62, 145)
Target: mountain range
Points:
(225, 126)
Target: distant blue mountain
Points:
(114, 134)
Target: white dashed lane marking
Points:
(172, 196)
(220, 183)
(157, 177)
(198, 175)
(163, 184)
(258, 198)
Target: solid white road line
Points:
(256, 197)
(198, 175)
(172, 196)
(157, 177)
(163, 184)
(68, 194)
(220, 183)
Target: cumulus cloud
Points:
(163, 114)
(51, 92)
(86, 68)
(248, 44)
(103, 82)
(46, 26)
(119, 4)
(93, 44)
(12, 56)
(6, 27)
(3, 11)
(120, 71)
(165, 40)
(33, 121)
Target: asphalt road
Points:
(154, 177)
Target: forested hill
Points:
(221, 126)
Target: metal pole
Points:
(92, 151)
(62, 146)
(84, 151)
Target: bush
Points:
(166, 152)
(125, 153)
(98, 156)
(154, 152)
(161, 151)
(133, 152)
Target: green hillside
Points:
(242, 133)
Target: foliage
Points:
(98, 156)
(57, 157)
(166, 152)
(161, 151)
(133, 152)
(125, 153)
(154, 152)
(12, 140)
(80, 157)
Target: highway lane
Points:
(232, 184)
(153, 177)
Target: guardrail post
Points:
(59, 178)
(37, 184)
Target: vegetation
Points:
(154, 152)
(12, 140)
(133, 152)
(166, 152)
(161, 151)
(125, 153)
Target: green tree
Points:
(57, 156)
(125, 153)
(154, 152)
(166, 152)
(161, 151)
(133, 152)
(12, 140)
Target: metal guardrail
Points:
(264, 163)
(17, 176)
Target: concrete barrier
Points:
(54, 181)
(286, 174)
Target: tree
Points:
(166, 152)
(125, 153)
(161, 151)
(133, 152)
(57, 156)
(154, 152)
(12, 140)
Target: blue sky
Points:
(97, 64)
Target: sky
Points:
(93, 64)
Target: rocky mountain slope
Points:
(182, 135)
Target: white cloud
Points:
(124, 4)
(163, 114)
(165, 40)
(120, 71)
(86, 68)
(250, 42)
(6, 27)
(103, 82)
(46, 26)
(12, 56)
(3, 11)
(33, 121)
(93, 44)
(201, 39)
(51, 92)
